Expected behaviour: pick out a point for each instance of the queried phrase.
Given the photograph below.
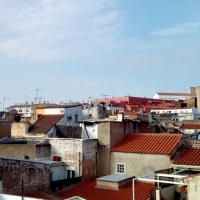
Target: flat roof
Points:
(114, 177)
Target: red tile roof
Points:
(190, 126)
(45, 123)
(39, 196)
(189, 157)
(90, 192)
(148, 143)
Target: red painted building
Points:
(138, 104)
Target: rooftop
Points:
(190, 126)
(175, 94)
(44, 123)
(90, 192)
(114, 177)
(190, 156)
(154, 143)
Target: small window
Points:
(120, 168)
(76, 117)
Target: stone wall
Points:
(34, 175)
(80, 154)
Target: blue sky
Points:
(76, 49)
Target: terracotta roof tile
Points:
(190, 126)
(189, 157)
(148, 143)
(45, 123)
(90, 192)
(38, 195)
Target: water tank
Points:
(56, 158)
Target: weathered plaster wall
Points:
(139, 164)
(89, 159)
(19, 129)
(34, 175)
(69, 151)
(109, 134)
(193, 187)
(18, 150)
(103, 155)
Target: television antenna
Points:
(36, 95)
(105, 95)
(4, 99)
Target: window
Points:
(76, 117)
(69, 118)
(120, 168)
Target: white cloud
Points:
(57, 29)
(183, 28)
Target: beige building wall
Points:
(198, 98)
(139, 164)
(18, 151)
(38, 112)
(19, 129)
(109, 134)
(103, 155)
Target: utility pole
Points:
(36, 95)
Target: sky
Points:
(77, 50)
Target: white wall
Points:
(72, 111)
(58, 172)
(14, 197)
(92, 131)
(54, 111)
(193, 187)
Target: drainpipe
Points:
(133, 188)
(158, 189)
(79, 164)
(157, 193)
